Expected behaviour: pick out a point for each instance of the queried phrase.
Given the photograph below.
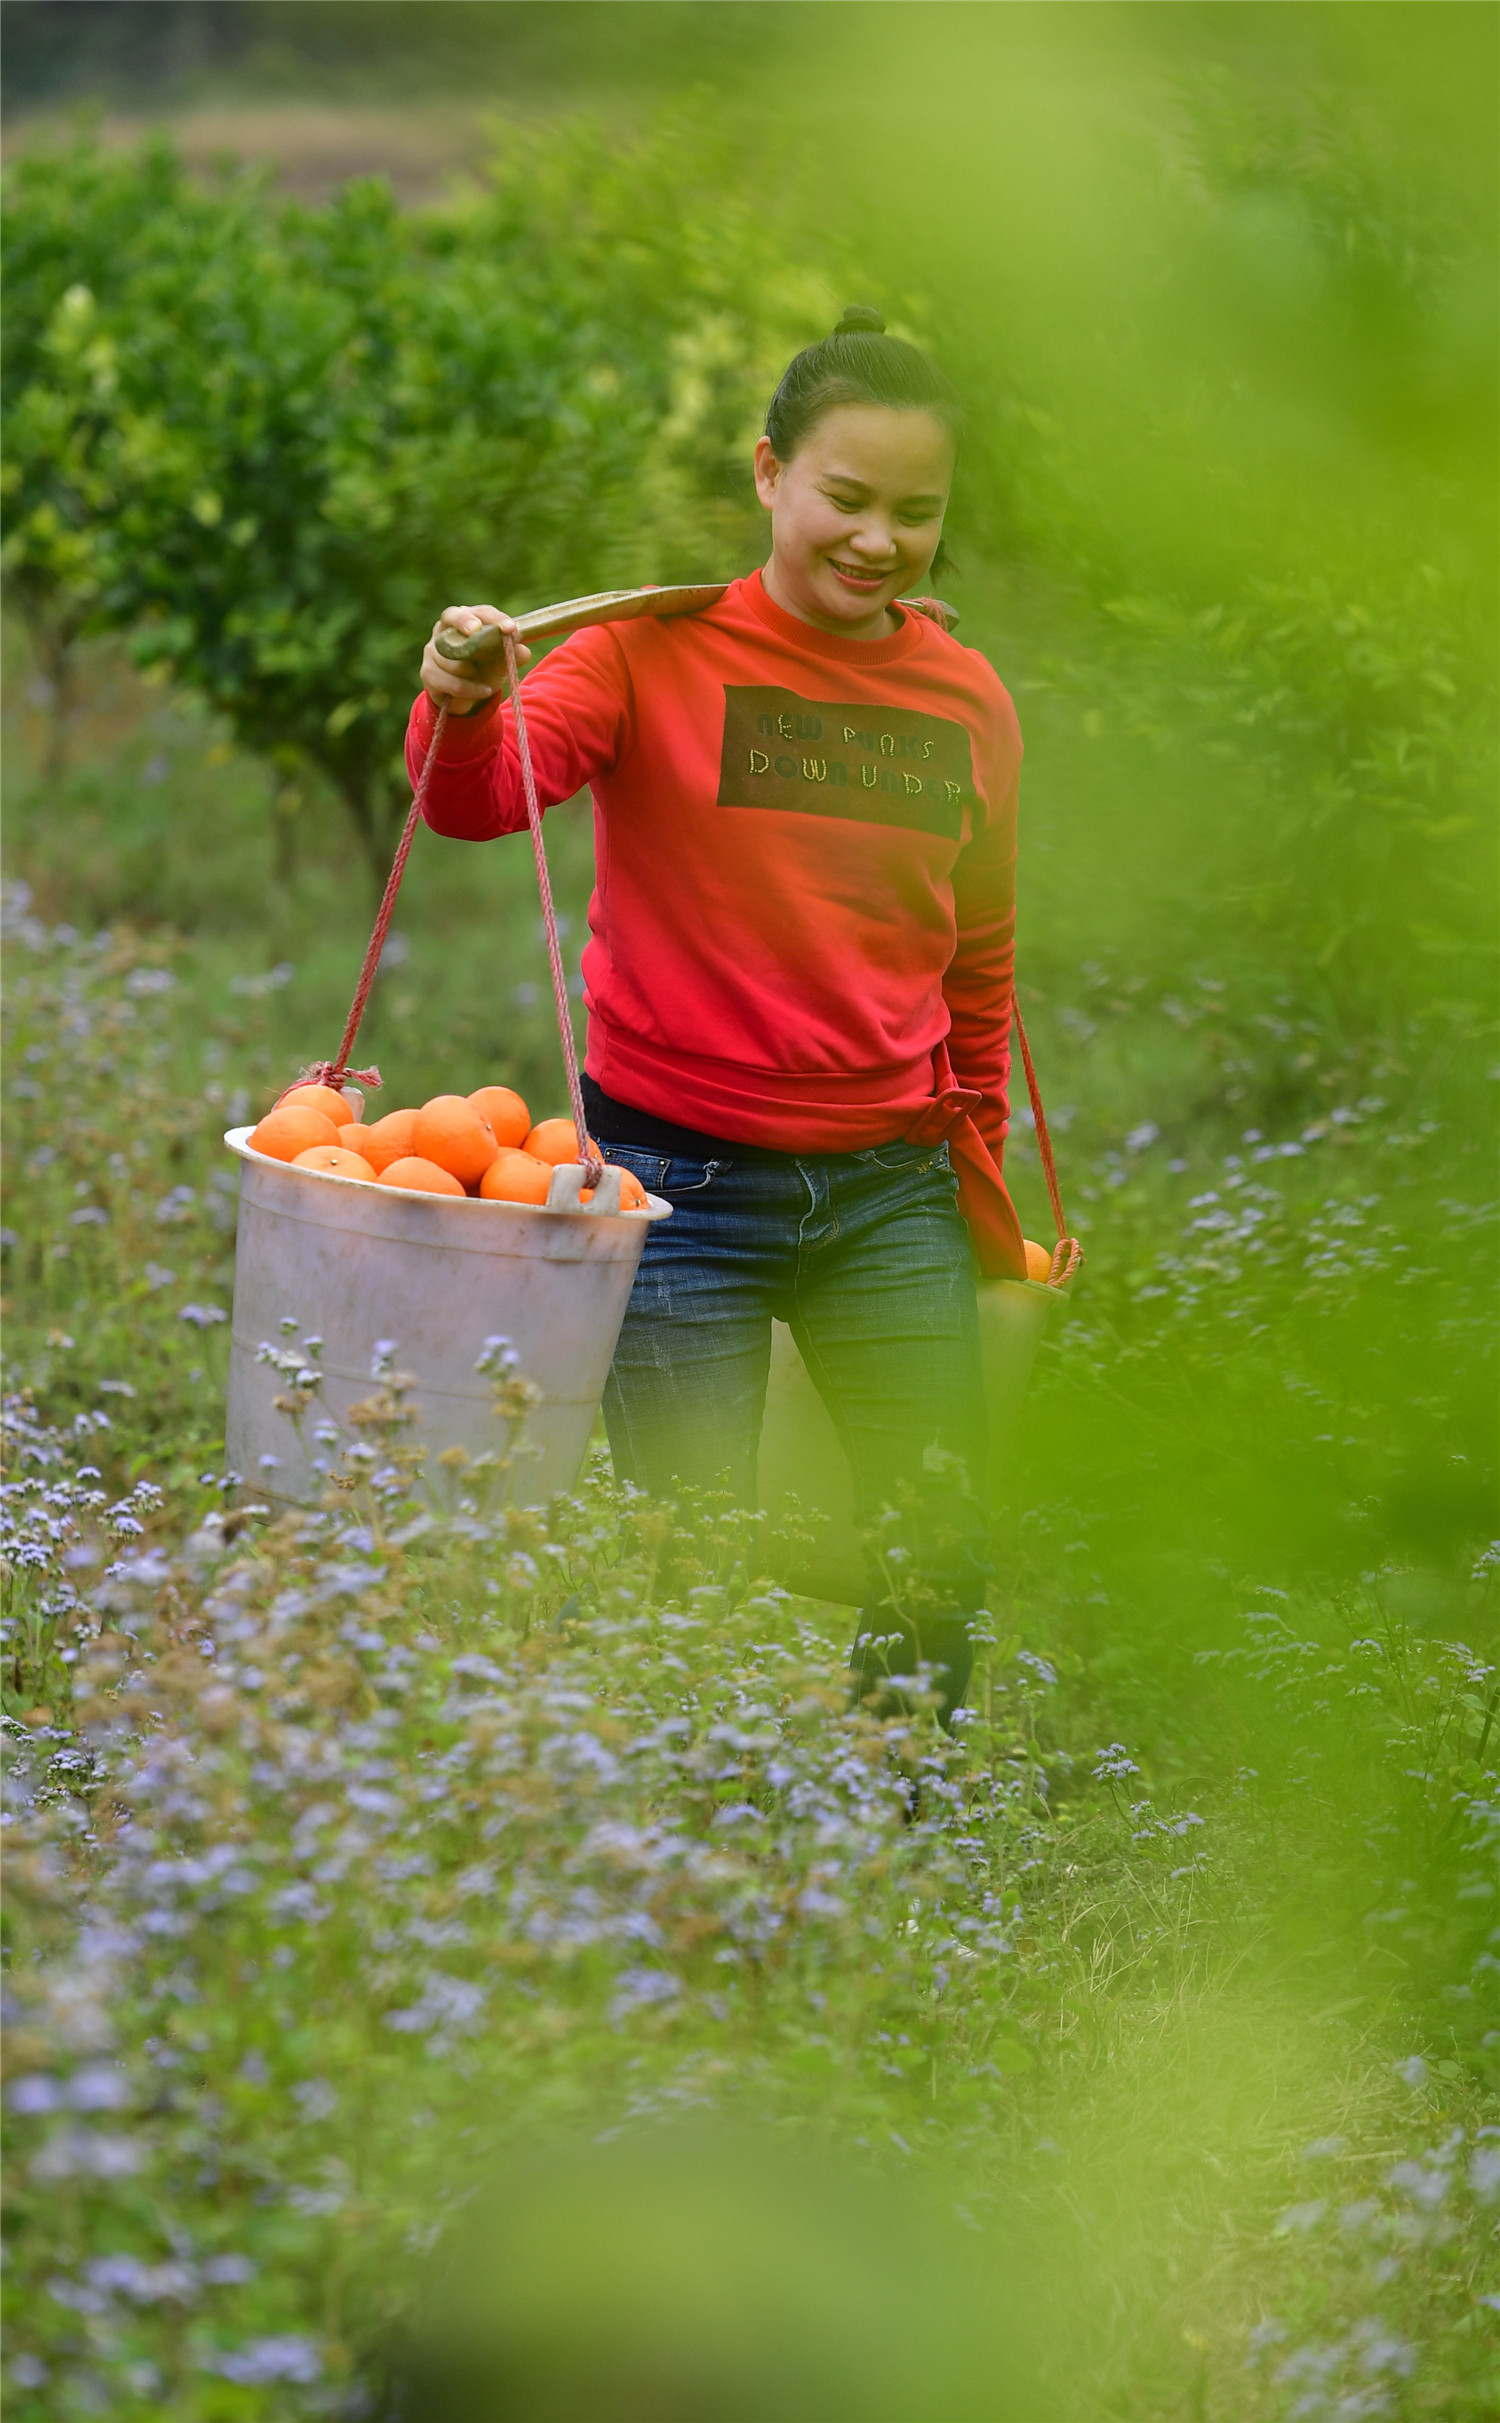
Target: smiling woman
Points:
(859, 514)
(856, 464)
(798, 978)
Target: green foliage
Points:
(108, 1148)
(1228, 328)
(1182, 1987)
(272, 443)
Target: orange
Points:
(290, 1129)
(632, 1193)
(388, 1139)
(422, 1177)
(335, 1160)
(514, 1177)
(1038, 1260)
(320, 1098)
(505, 1111)
(556, 1140)
(451, 1132)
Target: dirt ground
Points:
(312, 146)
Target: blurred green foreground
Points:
(475, 1968)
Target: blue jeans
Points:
(867, 1258)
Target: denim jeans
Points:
(867, 1258)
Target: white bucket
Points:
(803, 1468)
(353, 1263)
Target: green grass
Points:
(362, 1867)
(1241, 1540)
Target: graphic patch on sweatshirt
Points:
(873, 765)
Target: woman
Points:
(799, 976)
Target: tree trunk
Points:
(52, 644)
(376, 831)
(286, 814)
(377, 817)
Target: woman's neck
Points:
(879, 625)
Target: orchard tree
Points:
(271, 442)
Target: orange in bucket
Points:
(515, 1177)
(420, 1177)
(1038, 1260)
(555, 1140)
(320, 1098)
(335, 1161)
(290, 1129)
(505, 1111)
(632, 1193)
(388, 1139)
(451, 1132)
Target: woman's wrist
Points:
(472, 714)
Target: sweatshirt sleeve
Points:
(580, 720)
(979, 984)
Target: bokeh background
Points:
(320, 317)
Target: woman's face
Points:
(856, 515)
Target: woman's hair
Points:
(857, 364)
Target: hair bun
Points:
(861, 319)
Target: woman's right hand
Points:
(445, 682)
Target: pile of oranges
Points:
(482, 1143)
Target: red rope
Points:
(588, 1151)
(1067, 1254)
(337, 1072)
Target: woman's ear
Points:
(767, 473)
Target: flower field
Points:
(348, 1852)
(450, 1945)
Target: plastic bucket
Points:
(803, 1468)
(353, 1263)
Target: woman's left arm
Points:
(980, 981)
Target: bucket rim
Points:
(238, 1141)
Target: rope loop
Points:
(328, 1072)
(1067, 1254)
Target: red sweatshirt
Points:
(802, 929)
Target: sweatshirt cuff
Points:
(464, 736)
